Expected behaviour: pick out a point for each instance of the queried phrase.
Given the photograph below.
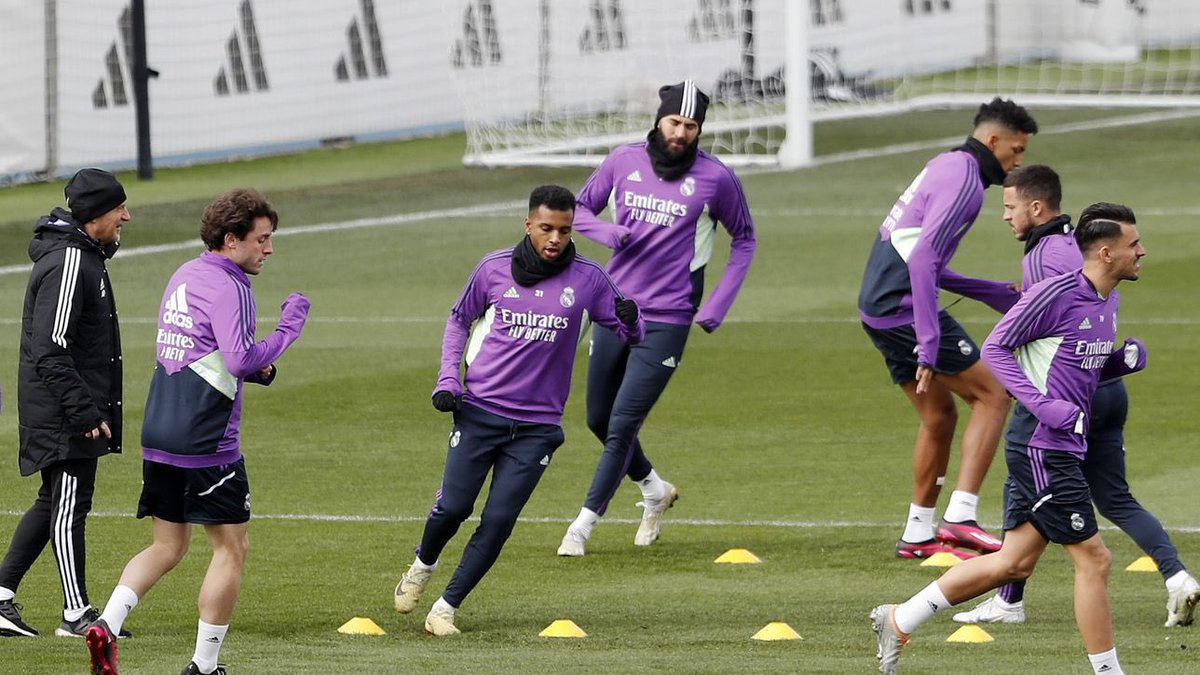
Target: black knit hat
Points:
(92, 193)
(684, 99)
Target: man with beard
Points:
(69, 394)
(927, 353)
(662, 187)
(517, 322)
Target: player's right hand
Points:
(444, 401)
(1062, 415)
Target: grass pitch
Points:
(781, 429)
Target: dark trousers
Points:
(517, 454)
(624, 383)
(1104, 468)
(58, 516)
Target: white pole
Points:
(796, 150)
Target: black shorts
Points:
(1048, 488)
(214, 495)
(956, 350)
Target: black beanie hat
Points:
(683, 99)
(92, 193)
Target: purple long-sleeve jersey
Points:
(523, 339)
(1050, 351)
(206, 348)
(660, 242)
(908, 262)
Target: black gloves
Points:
(627, 312)
(444, 401)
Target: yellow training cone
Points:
(970, 633)
(941, 559)
(776, 630)
(361, 626)
(1142, 564)
(737, 555)
(563, 628)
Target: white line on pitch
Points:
(690, 522)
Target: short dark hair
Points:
(1089, 234)
(553, 197)
(1007, 113)
(1108, 211)
(234, 213)
(1036, 181)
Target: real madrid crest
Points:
(688, 188)
(567, 299)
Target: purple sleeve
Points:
(1128, 359)
(999, 295)
(947, 202)
(471, 305)
(233, 328)
(592, 200)
(1020, 326)
(733, 212)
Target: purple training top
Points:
(660, 243)
(206, 348)
(1050, 351)
(908, 262)
(523, 339)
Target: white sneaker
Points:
(572, 543)
(411, 586)
(1181, 605)
(652, 511)
(440, 622)
(992, 611)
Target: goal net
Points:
(561, 82)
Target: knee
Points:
(235, 548)
(173, 551)
(598, 424)
(941, 420)
(453, 511)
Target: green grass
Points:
(781, 430)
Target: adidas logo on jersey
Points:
(635, 177)
(670, 362)
(176, 310)
(512, 293)
(1085, 324)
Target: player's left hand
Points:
(1134, 353)
(709, 325)
(444, 401)
(627, 312)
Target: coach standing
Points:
(69, 391)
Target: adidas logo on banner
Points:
(1085, 324)
(512, 293)
(175, 312)
(358, 58)
(669, 362)
(237, 62)
(480, 41)
(115, 74)
(635, 177)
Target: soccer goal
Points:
(573, 78)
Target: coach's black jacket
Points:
(69, 377)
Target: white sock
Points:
(422, 566)
(120, 604)
(441, 604)
(652, 486)
(920, 608)
(1175, 583)
(1106, 663)
(6, 594)
(585, 521)
(963, 507)
(919, 526)
(208, 645)
(74, 614)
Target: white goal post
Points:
(560, 82)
